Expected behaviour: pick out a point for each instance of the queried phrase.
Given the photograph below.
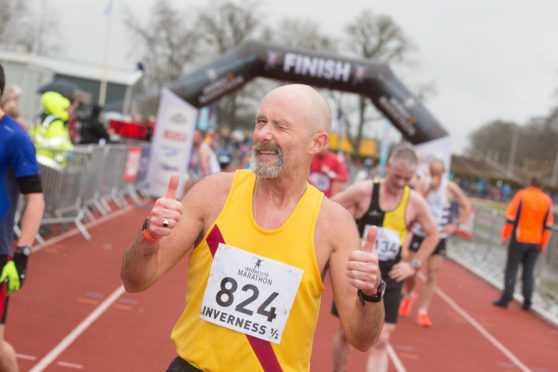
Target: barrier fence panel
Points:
(112, 173)
(93, 179)
(62, 190)
(91, 188)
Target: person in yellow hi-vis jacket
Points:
(50, 134)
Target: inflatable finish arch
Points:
(255, 59)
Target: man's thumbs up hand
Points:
(166, 212)
(362, 270)
(370, 239)
(173, 186)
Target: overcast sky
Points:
(488, 59)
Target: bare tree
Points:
(165, 45)
(10, 10)
(375, 38)
(227, 23)
(223, 25)
(492, 138)
(303, 34)
(24, 29)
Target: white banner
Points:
(172, 143)
(436, 149)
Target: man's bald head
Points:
(437, 167)
(308, 101)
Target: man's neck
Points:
(275, 200)
(280, 190)
(388, 198)
(385, 190)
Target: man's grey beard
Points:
(269, 171)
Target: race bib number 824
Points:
(249, 293)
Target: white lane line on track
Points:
(25, 356)
(478, 327)
(67, 341)
(70, 365)
(58, 349)
(395, 360)
(72, 232)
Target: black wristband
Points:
(374, 298)
(20, 261)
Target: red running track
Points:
(73, 315)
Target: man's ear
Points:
(319, 142)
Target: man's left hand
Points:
(363, 270)
(450, 229)
(10, 274)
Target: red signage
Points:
(132, 163)
(129, 130)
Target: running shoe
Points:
(423, 320)
(405, 307)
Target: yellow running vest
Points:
(211, 347)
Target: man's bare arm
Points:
(421, 213)
(145, 261)
(352, 269)
(32, 217)
(205, 155)
(462, 201)
(428, 225)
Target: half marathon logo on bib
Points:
(249, 293)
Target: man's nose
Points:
(264, 133)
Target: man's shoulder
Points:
(12, 132)
(333, 215)
(217, 181)
(417, 203)
(357, 191)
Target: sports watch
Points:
(20, 258)
(24, 250)
(415, 264)
(374, 298)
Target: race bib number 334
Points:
(250, 294)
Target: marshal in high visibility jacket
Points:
(529, 217)
(50, 134)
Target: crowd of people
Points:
(271, 215)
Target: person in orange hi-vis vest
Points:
(528, 221)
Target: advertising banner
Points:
(132, 166)
(172, 144)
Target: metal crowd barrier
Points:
(486, 256)
(94, 178)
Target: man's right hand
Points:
(166, 208)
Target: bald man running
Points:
(260, 242)
(438, 191)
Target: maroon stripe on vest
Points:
(265, 354)
(262, 349)
(213, 240)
